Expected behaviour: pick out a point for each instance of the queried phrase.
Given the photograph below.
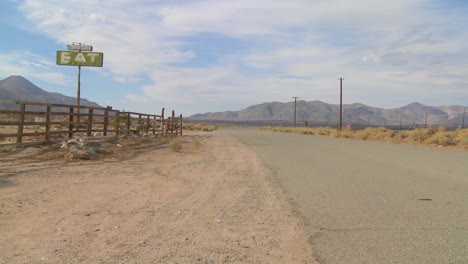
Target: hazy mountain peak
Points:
(318, 112)
(18, 88)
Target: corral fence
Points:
(35, 121)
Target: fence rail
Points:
(36, 120)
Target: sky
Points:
(197, 56)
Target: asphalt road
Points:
(371, 202)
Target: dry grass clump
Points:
(175, 145)
(199, 127)
(209, 128)
(426, 136)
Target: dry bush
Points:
(420, 135)
(175, 145)
(209, 128)
(198, 127)
(429, 136)
(461, 136)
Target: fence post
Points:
(172, 122)
(19, 137)
(162, 122)
(106, 121)
(128, 121)
(139, 124)
(90, 121)
(147, 123)
(180, 124)
(154, 124)
(47, 136)
(70, 123)
(117, 123)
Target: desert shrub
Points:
(463, 141)
(430, 135)
(380, 134)
(400, 136)
(175, 145)
(323, 131)
(364, 133)
(344, 134)
(445, 140)
(191, 126)
(198, 126)
(420, 135)
(461, 136)
(209, 128)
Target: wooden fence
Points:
(34, 121)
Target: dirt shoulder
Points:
(213, 202)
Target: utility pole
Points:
(400, 120)
(341, 103)
(463, 120)
(425, 121)
(295, 105)
(78, 97)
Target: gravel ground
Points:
(212, 202)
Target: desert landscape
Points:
(139, 201)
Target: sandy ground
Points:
(213, 202)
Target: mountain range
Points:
(319, 113)
(17, 88)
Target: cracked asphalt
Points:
(371, 202)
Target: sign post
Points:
(79, 55)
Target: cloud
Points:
(291, 48)
(30, 65)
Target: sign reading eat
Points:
(70, 58)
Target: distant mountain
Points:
(320, 113)
(17, 88)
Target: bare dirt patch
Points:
(212, 202)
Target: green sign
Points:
(80, 58)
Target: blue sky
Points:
(214, 55)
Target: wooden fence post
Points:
(19, 137)
(154, 124)
(172, 122)
(106, 121)
(90, 121)
(139, 124)
(162, 122)
(180, 124)
(117, 123)
(70, 123)
(128, 121)
(147, 123)
(47, 136)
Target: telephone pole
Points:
(425, 120)
(463, 120)
(295, 107)
(341, 103)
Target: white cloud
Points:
(30, 65)
(295, 47)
